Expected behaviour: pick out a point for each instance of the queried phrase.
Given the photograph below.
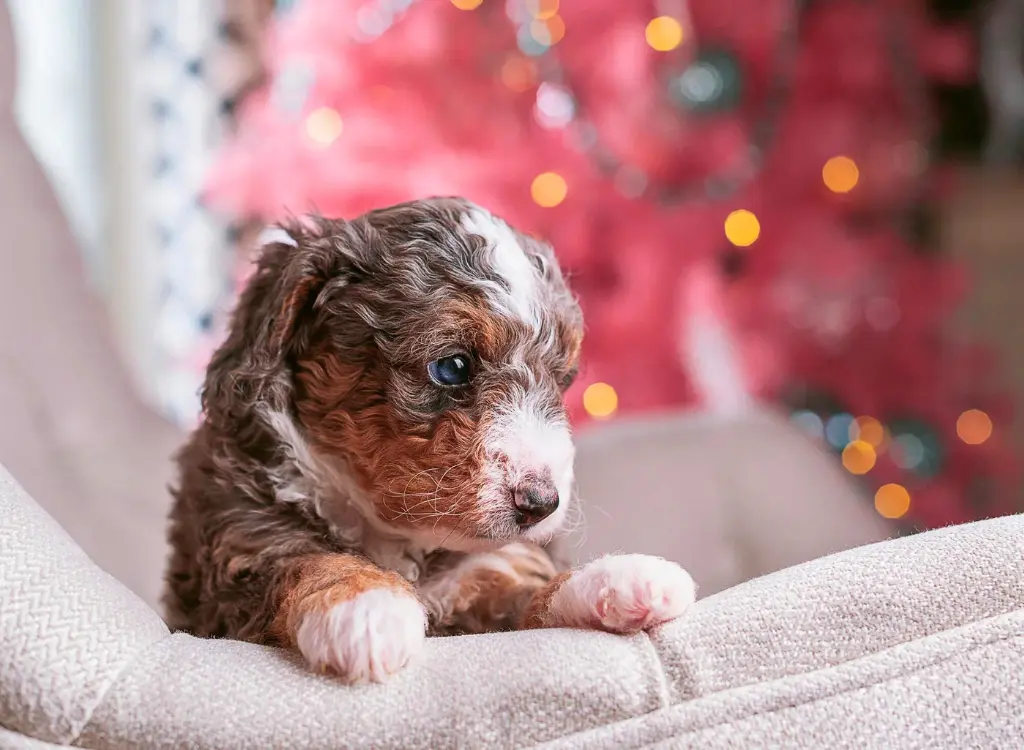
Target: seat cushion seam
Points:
(939, 659)
(847, 690)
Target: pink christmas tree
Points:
(726, 181)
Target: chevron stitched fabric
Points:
(67, 629)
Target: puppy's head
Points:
(425, 348)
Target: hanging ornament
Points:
(916, 447)
(712, 82)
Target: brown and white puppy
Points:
(385, 449)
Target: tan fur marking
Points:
(491, 591)
(536, 615)
(318, 583)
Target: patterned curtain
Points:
(198, 58)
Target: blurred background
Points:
(810, 205)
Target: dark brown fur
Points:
(334, 336)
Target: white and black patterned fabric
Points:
(188, 118)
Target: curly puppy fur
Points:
(346, 495)
(329, 463)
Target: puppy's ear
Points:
(296, 263)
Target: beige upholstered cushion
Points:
(67, 629)
(729, 499)
(917, 642)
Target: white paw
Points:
(365, 639)
(623, 594)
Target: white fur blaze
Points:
(523, 441)
(365, 639)
(623, 594)
(510, 262)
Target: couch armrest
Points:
(67, 629)
(846, 606)
(913, 642)
(83, 660)
(504, 690)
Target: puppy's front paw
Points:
(366, 638)
(623, 594)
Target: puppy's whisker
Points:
(455, 528)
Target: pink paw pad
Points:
(624, 594)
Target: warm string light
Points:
(840, 174)
(974, 427)
(600, 400)
(467, 4)
(860, 440)
(518, 73)
(870, 430)
(324, 126)
(892, 501)
(742, 228)
(548, 189)
(548, 31)
(664, 33)
(542, 9)
(859, 457)
(540, 26)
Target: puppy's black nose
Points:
(535, 501)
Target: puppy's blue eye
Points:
(450, 371)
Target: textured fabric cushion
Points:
(915, 642)
(67, 629)
(908, 643)
(498, 691)
(961, 689)
(13, 741)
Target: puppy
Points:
(385, 450)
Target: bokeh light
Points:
(892, 501)
(809, 423)
(907, 451)
(742, 228)
(324, 126)
(974, 427)
(870, 430)
(549, 31)
(840, 174)
(542, 9)
(548, 189)
(839, 430)
(518, 73)
(664, 33)
(859, 457)
(467, 4)
(600, 400)
(555, 107)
